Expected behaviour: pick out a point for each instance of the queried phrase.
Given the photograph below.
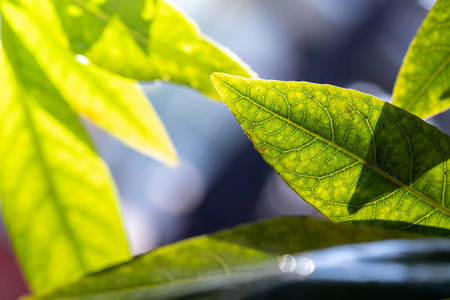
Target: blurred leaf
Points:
(423, 83)
(58, 200)
(352, 156)
(219, 260)
(113, 103)
(142, 39)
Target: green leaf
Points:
(230, 256)
(422, 85)
(142, 39)
(352, 156)
(58, 199)
(113, 103)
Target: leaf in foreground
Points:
(352, 156)
(423, 83)
(58, 200)
(231, 256)
(142, 39)
(113, 103)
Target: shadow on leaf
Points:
(405, 175)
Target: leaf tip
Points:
(218, 80)
(169, 156)
(172, 160)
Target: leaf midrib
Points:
(427, 83)
(360, 159)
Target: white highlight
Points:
(287, 263)
(305, 266)
(82, 59)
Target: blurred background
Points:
(221, 180)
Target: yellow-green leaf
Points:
(220, 260)
(58, 200)
(113, 103)
(352, 156)
(422, 86)
(143, 40)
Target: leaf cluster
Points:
(354, 157)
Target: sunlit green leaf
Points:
(352, 156)
(58, 200)
(230, 256)
(114, 103)
(141, 39)
(423, 83)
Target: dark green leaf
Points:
(203, 263)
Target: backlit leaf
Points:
(423, 83)
(58, 200)
(113, 103)
(144, 40)
(352, 156)
(219, 260)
